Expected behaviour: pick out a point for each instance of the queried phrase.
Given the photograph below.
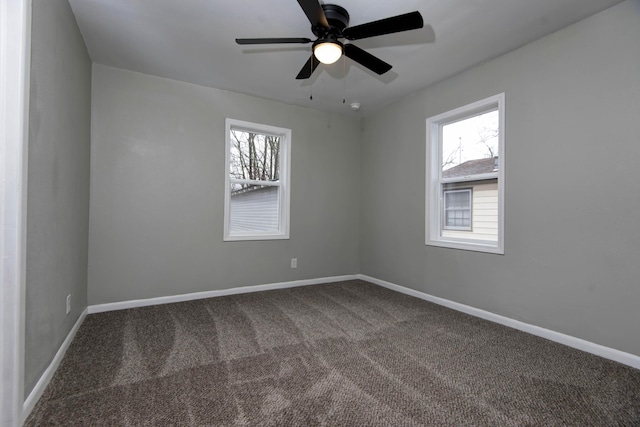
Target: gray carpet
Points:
(339, 354)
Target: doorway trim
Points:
(15, 54)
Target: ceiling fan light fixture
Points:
(330, 22)
(328, 52)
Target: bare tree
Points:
(254, 157)
(452, 158)
(484, 145)
(485, 136)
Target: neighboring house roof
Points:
(473, 167)
(251, 188)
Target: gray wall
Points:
(572, 245)
(157, 191)
(58, 183)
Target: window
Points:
(256, 205)
(465, 177)
(457, 209)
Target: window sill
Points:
(491, 248)
(250, 237)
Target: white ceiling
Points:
(194, 41)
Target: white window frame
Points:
(444, 208)
(434, 180)
(283, 182)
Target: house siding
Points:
(484, 214)
(254, 210)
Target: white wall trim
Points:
(44, 380)
(15, 55)
(568, 340)
(99, 308)
(434, 180)
(284, 183)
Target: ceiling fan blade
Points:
(395, 24)
(314, 12)
(273, 41)
(308, 68)
(364, 58)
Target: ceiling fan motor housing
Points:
(338, 19)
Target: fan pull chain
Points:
(311, 86)
(344, 80)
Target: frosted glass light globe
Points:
(327, 52)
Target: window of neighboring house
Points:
(256, 205)
(457, 209)
(465, 177)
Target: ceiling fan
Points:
(329, 23)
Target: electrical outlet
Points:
(294, 262)
(68, 303)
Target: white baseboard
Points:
(43, 382)
(99, 308)
(568, 340)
